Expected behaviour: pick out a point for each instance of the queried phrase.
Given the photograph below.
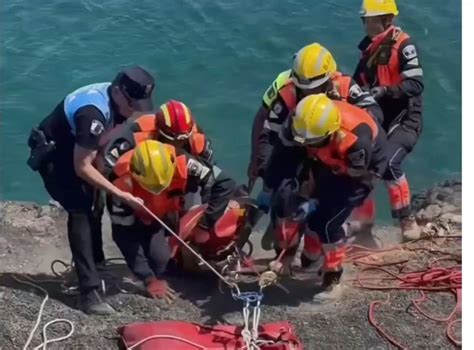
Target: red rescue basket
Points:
(179, 335)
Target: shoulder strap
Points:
(288, 94)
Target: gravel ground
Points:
(27, 246)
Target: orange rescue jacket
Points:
(334, 155)
(168, 201)
(383, 53)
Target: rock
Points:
(448, 208)
(452, 218)
(447, 216)
(430, 213)
(456, 219)
(28, 216)
(45, 210)
(457, 202)
(3, 243)
(54, 204)
(445, 194)
(432, 198)
(41, 241)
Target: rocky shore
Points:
(32, 236)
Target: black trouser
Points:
(337, 196)
(400, 143)
(145, 248)
(84, 223)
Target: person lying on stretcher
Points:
(161, 175)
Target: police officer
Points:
(63, 150)
(390, 67)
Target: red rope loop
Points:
(431, 279)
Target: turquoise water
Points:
(218, 57)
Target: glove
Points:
(378, 92)
(159, 289)
(263, 201)
(304, 209)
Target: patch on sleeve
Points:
(277, 108)
(357, 159)
(355, 92)
(409, 52)
(97, 127)
(196, 169)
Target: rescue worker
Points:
(160, 175)
(177, 126)
(173, 124)
(390, 67)
(63, 148)
(347, 145)
(314, 71)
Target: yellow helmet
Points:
(313, 65)
(152, 165)
(316, 118)
(372, 8)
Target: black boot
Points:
(93, 304)
(311, 270)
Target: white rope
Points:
(46, 341)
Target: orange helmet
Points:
(174, 121)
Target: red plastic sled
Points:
(178, 335)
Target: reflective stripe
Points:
(166, 114)
(366, 101)
(334, 254)
(271, 126)
(319, 63)
(312, 85)
(325, 116)
(187, 114)
(273, 115)
(122, 220)
(216, 171)
(313, 248)
(414, 72)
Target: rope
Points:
(431, 279)
(46, 341)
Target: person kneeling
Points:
(160, 175)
